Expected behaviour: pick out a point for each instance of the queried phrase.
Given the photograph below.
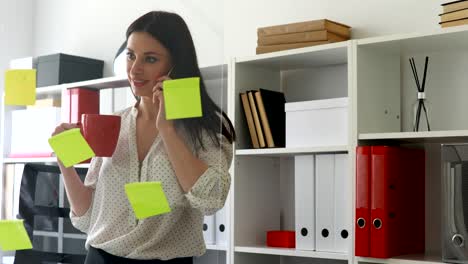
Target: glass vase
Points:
(421, 113)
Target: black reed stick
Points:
(421, 88)
(418, 115)
(424, 77)
(415, 74)
(427, 119)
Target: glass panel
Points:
(45, 223)
(74, 246)
(43, 243)
(68, 227)
(47, 189)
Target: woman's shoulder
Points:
(124, 112)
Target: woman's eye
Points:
(130, 56)
(151, 59)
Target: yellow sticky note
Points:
(147, 199)
(20, 87)
(13, 236)
(182, 98)
(71, 147)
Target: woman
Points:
(191, 158)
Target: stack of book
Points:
(455, 14)
(265, 117)
(299, 35)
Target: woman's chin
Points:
(144, 95)
(140, 92)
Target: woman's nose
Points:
(135, 67)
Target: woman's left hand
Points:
(158, 99)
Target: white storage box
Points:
(30, 131)
(317, 123)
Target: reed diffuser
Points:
(421, 104)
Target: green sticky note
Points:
(182, 98)
(13, 236)
(147, 199)
(71, 147)
(20, 87)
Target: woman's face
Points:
(147, 60)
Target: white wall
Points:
(221, 29)
(97, 28)
(366, 17)
(16, 34)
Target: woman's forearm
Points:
(78, 194)
(188, 168)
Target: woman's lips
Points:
(139, 84)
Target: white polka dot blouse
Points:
(110, 222)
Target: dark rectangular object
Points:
(454, 203)
(274, 104)
(62, 68)
(40, 196)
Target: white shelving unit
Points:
(374, 74)
(384, 92)
(263, 179)
(216, 83)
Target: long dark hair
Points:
(171, 30)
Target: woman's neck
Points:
(147, 110)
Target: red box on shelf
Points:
(78, 101)
(284, 239)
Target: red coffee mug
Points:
(101, 132)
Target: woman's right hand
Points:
(59, 129)
(63, 127)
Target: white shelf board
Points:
(209, 72)
(291, 252)
(417, 137)
(30, 160)
(103, 83)
(278, 152)
(405, 259)
(320, 55)
(216, 247)
(39, 160)
(55, 89)
(214, 72)
(443, 39)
